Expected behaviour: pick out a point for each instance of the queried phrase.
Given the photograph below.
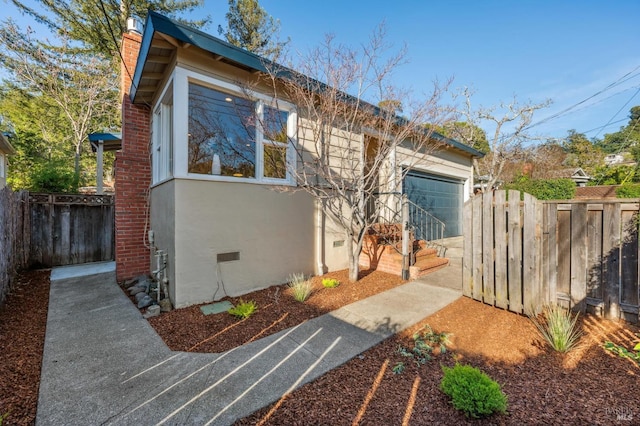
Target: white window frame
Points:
(3, 163)
(181, 80)
(162, 126)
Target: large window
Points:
(232, 136)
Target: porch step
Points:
(425, 266)
(420, 253)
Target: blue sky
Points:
(563, 50)
(566, 51)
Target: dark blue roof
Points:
(161, 24)
(110, 136)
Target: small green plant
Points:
(243, 309)
(424, 342)
(300, 286)
(558, 327)
(330, 283)
(623, 352)
(472, 391)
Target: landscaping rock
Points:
(152, 311)
(141, 296)
(135, 290)
(165, 305)
(145, 301)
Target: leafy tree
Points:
(627, 138)
(581, 152)
(250, 27)
(98, 25)
(467, 133)
(63, 93)
(614, 175)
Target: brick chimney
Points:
(133, 173)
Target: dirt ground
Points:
(586, 386)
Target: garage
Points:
(440, 196)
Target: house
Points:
(210, 212)
(5, 151)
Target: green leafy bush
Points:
(628, 190)
(545, 189)
(424, 342)
(53, 177)
(243, 309)
(472, 391)
(300, 286)
(330, 283)
(558, 327)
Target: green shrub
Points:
(472, 391)
(628, 190)
(545, 189)
(330, 283)
(300, 286)
(53, 177)
(623, 352)
(424, 342)
(243, 309)
(558, 327)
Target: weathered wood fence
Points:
(580, 254)
(69, 229)
(14, 236)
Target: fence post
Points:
(405, 237)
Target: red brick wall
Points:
(133, 174)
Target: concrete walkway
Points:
(104, 364)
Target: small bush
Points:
(300, 286)
(628, 190)
(424, 342)
(545, 189)
(330, 283)
(558, 327)
(243, 309)
(472, 391)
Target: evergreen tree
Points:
(250, 27)
(99, 24)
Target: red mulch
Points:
(189, 330)
(586, 386)
(23, 320)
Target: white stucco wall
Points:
(272, 232)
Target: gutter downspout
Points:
(319, 264)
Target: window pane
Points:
(275, 161)
(275, 124)
(223, 126)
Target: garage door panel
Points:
(440, 196)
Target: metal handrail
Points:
(421, 224)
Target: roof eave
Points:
(6, 146)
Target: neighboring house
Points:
(580, 177)
(223, 227)
(5, 151)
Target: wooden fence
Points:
(14, 236)
(580, 254)
(69, 229)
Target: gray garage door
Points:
(440, 196)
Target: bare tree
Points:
(348, 150)
(509, 123)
